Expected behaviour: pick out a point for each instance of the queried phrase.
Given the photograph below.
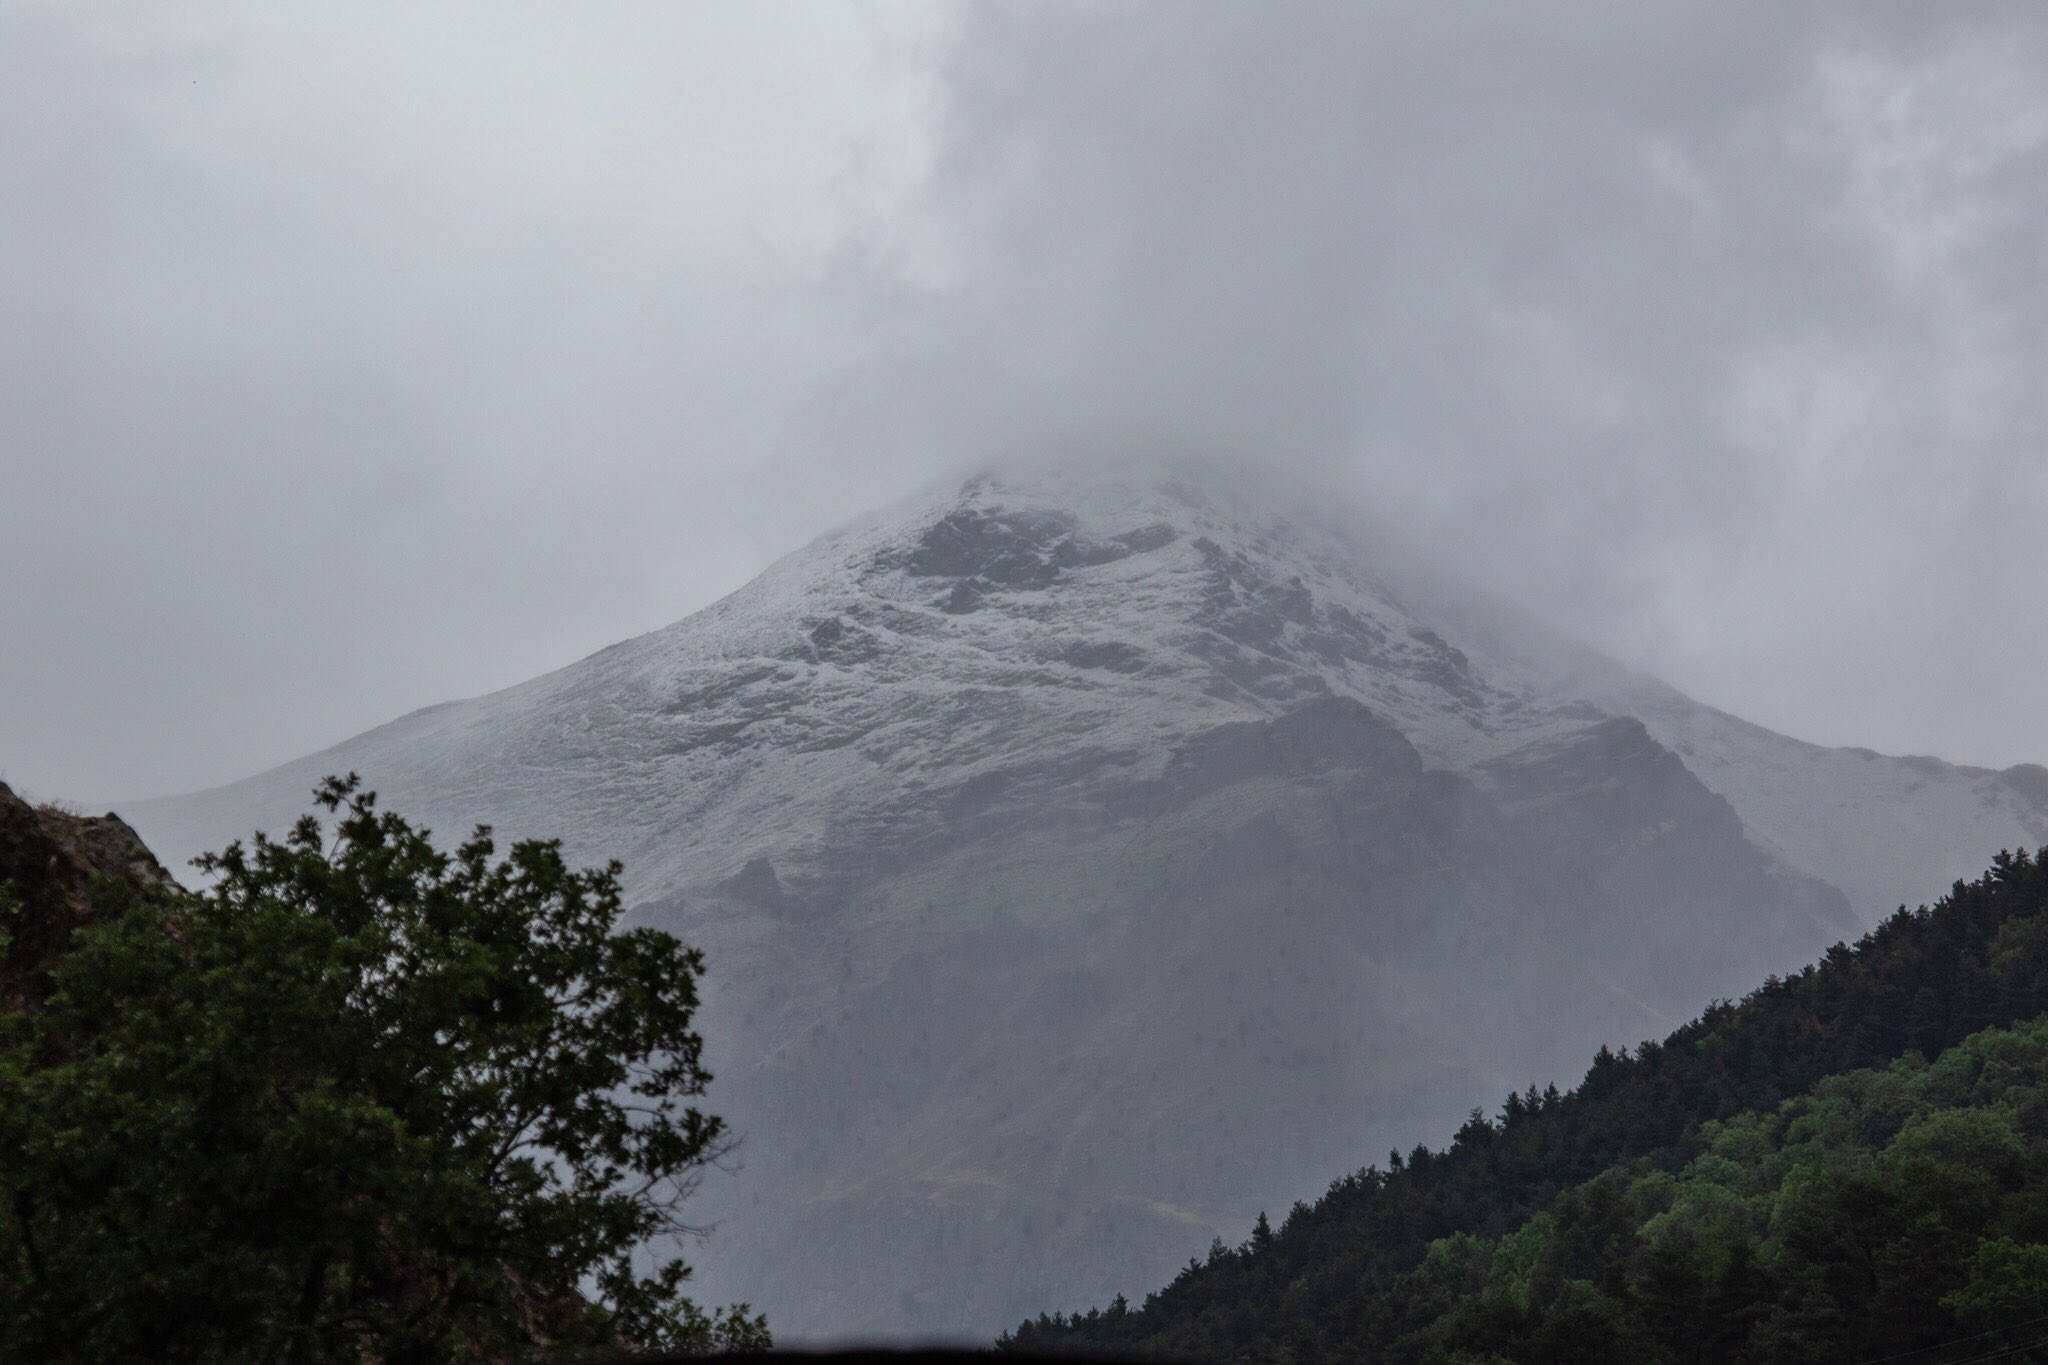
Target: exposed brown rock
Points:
(48, 859)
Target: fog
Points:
(356, 365)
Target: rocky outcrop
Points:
(49, 861)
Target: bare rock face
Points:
(49, 859)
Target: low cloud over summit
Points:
(1709, 333)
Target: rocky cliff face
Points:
(1088, 861)
(48, 861)
(1049, 1063)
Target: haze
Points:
(353, 365)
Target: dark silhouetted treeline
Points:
(1675, 1206)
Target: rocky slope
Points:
(1087, 861)
(48, 860)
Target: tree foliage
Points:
(359, 1098)
(1885, 1211)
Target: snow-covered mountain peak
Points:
(1048, 628)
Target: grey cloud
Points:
(352, 365)
(1706, 328)
(359, 365)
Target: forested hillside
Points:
(1851, 1162)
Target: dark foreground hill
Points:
(1850, 1164)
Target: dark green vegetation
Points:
(1788, 1178)
(1886, 1209)
(359, 1099)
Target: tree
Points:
(359, 1097)
(2008, 1284)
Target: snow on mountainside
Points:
(1046, 632)
(1054, 632)
(1087, 860)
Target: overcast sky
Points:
(357, 358)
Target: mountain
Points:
(1088, 859)
(1852, 1164)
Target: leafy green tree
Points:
(2007, 1288)
(360, 1098)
